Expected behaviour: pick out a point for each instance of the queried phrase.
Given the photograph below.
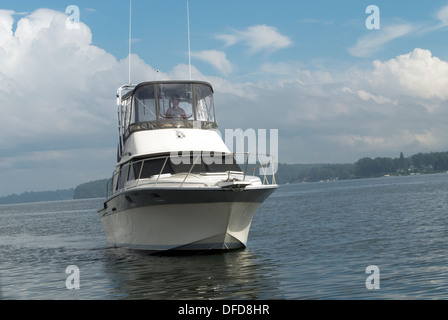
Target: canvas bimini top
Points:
(165, 104)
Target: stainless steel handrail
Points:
(113, 184)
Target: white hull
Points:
(177, 220)
(202, 226)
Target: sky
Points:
(338, 80)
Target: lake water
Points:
(307, 241)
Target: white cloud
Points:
(258, 38)
(416, 74)
(57, 95)
(422, 139)
(427, 138)
(6, 21)
(442, 16)
(375, 40)
(49, 78)
(216, 58)
(292, 69)
(365, 96)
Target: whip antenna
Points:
(189, 51)
(130, 38)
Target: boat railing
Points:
(121, 178)
(266, 165)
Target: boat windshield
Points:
(157, 105)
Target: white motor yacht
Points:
(176, 185)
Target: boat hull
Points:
(188, 219)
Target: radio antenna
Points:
(130, 38)
(189, 50)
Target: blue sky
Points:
(336, 90)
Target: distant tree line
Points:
(292, 173)
(364, 168)
(27, 197)
(419, 163)
(92, 189)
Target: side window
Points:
(128, 113)
(123, 176)
(145, 104)
(204, 103)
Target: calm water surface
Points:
(307, 241)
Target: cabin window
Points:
(175, 101)
(168, 105)
(204, 103)
(153, 166)
(145, 105)
(123, 178)
(126, 114)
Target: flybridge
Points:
(165, 104)
(158, 105)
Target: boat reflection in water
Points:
(136, 275)
(176, 185)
